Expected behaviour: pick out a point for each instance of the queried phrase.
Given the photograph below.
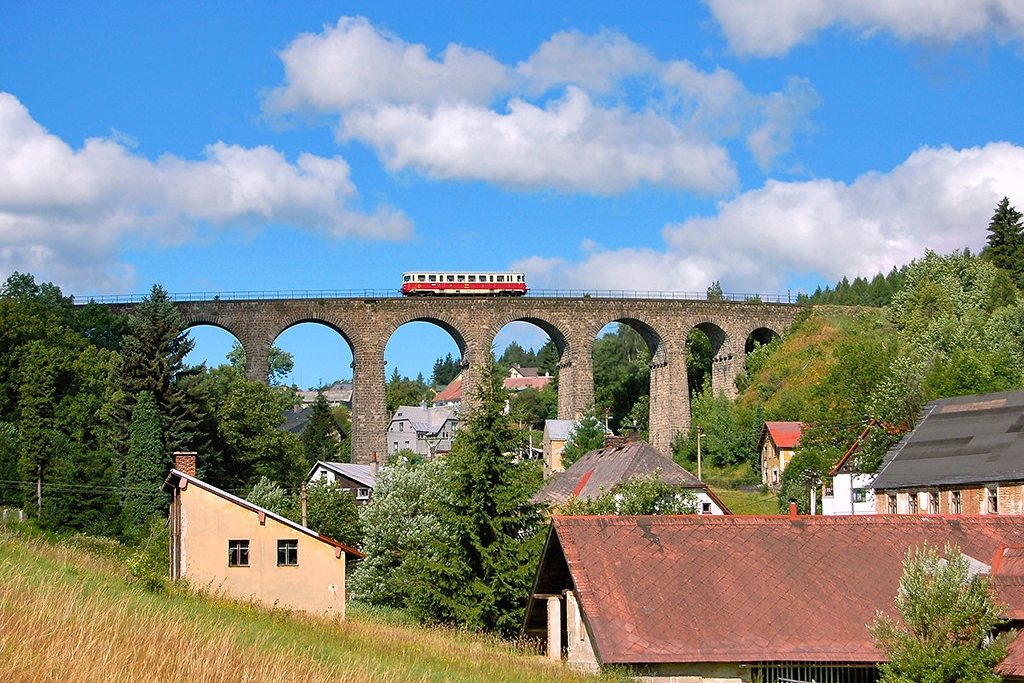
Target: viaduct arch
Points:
(572, 323)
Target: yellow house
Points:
(777, 446)
(227, 545)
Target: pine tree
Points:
(319, 439)
(145, 467)
(1005, 247)
(586, 435)
(480, 578)
(152, 360)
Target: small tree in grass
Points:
(947, 617)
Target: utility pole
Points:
(302, 496)
(699, 435)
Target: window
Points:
(860, 495)
(933, 503)
(705, 508)
(362, 494)
(912, 503)
(238, 553)
(472, 278)
(992, 497)
(451, 278)
(501, 278)
(462, 278)
(893, 509)
(433, 278)
(406, 278)
(287, 552)
(955, 503)
(421, 278)
(401, 426)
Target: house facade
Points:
(850, 492)
(731, 599)
(776, 445)
(425, 431)
(359, 480)
(556, 432)
(227, 545)
(964, 457)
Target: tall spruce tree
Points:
(1005, 247)
(152, 360)
(478, 577)
(320, 438)
(145, 467)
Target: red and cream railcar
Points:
(463, 284)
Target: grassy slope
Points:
(68, 614)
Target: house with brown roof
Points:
(850, 492)
(965, 456)
(519, 379)
(227, 545)
(777, 443)
(730, 598)
(600, 471)
(359, 480)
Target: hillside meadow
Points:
(69, 611)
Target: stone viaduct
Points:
(572, 323)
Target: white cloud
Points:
(771, 27)
(939, 199)
(65, 213)
(584, 113)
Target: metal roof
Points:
(963, 440)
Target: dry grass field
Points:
(70, 612)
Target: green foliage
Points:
(400, 522)
(946, 618)
(445, 370)
(479, 578)
(622, 373)
(820, 448)
(331, 511)
(10, 452)
(698, 361)
(80, 491)
(715, 293)
(270, 495)
(514, 354)
(587, 434)
(280, 362)
(1005, 248)
(639, 495)
(532, 407)
(145, 467)
(861, 292)
(148, 563)
(402, 391)
(730, 435)
(321, 437)
(547, 359)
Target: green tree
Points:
(320, 438)
(445, 370)
(270, 495)
(402, 391)
(10, 453)
(698, 360)
(80, 492)
(532, 407)
(480, 578)
(947, 616)
(587, 434)
(331, 511)
(1005, 248)
(152, 360)
(280, 362)
(639, 495)
(514, 354)
(622, 372)
(401, 521)
(715, 292)
(145, 467)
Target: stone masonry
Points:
(572, 323)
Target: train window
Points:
(501, 278)
(519, 278)
(407, 278)
(421, 278)
(462, 278)
(433, 278)
(472, 278)
(451, 278)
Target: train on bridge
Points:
(463, 284)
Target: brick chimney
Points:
(792, 509)
(185, 462)
(612, 441)
(373, 464)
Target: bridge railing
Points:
(262, 295)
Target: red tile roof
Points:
(676, 589)
(452, 392)
(784, 434)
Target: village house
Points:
(600, 471)
(227, 545)
(966, 456)
(730, 599)
(556, 433)
(519, 379)
(426, 431)
(850, 492)
(776, 445)
(359, 480)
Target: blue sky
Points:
(767, 144)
